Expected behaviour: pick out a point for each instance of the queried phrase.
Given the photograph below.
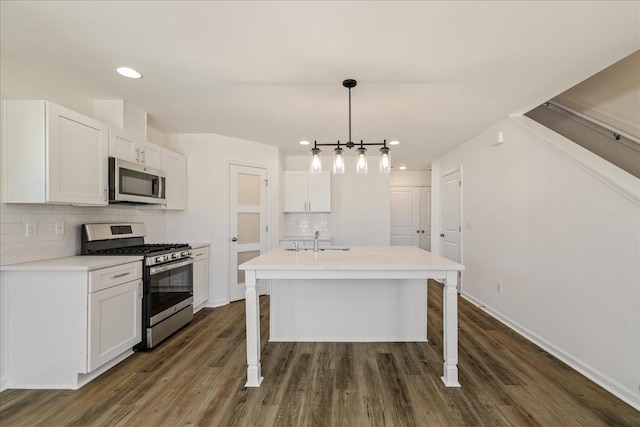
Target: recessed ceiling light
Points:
(402, 168)
(304, 143)
(394, 142)
(129, 72)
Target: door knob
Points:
(234, 239)
(441, 234)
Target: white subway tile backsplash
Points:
(306, 224)
(15, 247)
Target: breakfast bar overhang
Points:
(365, 293)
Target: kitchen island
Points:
(366, 293)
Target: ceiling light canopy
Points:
(129, 72)
(338, 157)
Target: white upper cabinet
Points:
(53, 155)
(126, 148)
(175, 167)
(151, 155)
(305, 192)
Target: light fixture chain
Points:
(349, 115)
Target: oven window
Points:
(170, 287)
(138, 183)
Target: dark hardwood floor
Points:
(197, 378)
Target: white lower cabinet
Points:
(200, 277)
(65, 327)
(114, 322)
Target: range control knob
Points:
(159, 259)
(174, 255)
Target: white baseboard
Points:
(3, 384)
(216, 303)
(628, 396)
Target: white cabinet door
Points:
(76, 157)
(151, 155)
(123, 147)
(115, 322)
(305, 192)
(319, 192)
(295, 191)
(175, 167)
(52, 154)
(200, 283)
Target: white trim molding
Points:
(618, 179)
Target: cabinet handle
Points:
(106, 193)
(143, 156)
(422, 231)
(309, 206)
(199, 255)
(137, 155)
(121, 275)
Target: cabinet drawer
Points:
(200, 253)
(112, 276)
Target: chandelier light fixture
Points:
(338, 152)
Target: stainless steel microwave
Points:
(133, 183)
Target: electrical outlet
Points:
(59, 228)
(499, 287)
(32, 229)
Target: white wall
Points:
(207, 213)
(360, 204)
(561, 233)
(411, 178)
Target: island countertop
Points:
(383, 258)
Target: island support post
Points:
(254, 368)
(450, 329)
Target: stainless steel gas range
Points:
(167, 301)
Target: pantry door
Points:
(247, 222)
(405, 216)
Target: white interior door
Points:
(425, 218)
(247, 222)
(451, 218)
(405, 216)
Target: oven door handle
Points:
(167, 267)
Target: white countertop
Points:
(198, 245)
(387, 258)
(72, 263)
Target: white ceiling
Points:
(430, 74)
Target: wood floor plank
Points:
(197, 378)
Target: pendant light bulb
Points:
(361, 162)
(338, 161)
(316, 164)
(385, 160)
